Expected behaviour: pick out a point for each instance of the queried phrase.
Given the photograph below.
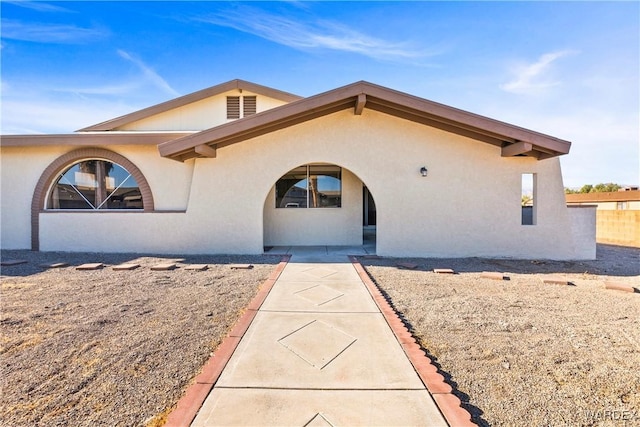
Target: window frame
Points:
(308, 174)
(103, 206)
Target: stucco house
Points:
(239, 167)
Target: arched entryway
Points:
(318, 204)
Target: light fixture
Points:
(423, 171)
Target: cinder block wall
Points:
(621, 227)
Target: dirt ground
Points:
(91, 348)
(109, 348)
(521, 352)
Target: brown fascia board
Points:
(191, 98)
(91, 139)
(261, 123)
(611, 196)
(378, 98)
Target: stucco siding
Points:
(199, 115)
(583, 221)
(20, 170)
(468, 205)
(22, 167)
(325, 226)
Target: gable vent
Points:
(233, 107)
(248, 105)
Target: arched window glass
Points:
(310, 186)
(95, 184)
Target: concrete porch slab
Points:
(318, 408)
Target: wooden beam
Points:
(517, 148)
(205, 150)
(360, 103)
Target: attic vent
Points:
(233, 107)
(248, 105)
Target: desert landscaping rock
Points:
(494, 275)
(90, 266)
(197, 267)
(55, 265)
(522, 352)
(107, 347)
(618, 286)
(165, 266)
(125, 267)
(118, 348)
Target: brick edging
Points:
(447, 402)
(190, 403)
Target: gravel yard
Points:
(112, 348)
(90, 348)
(521, 352)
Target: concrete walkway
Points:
(319, 352)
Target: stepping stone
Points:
(494, 275)
(443, 271)
(90, 266)
(557, 281)
(407, 265)
(164, 266)
(54, 265)
(241, 266)
(619, 286)
(125, 267)
(197, 267)
(9, 262)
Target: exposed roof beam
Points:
(516, 149)
(360, 103)
(205, 150)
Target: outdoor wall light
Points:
(423, 171)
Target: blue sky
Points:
(568, 69)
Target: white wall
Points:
(21, 168)
(583, 228)
(200, 115)
(325, 226)
(468, 205)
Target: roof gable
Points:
(190, 99)
(514, 140)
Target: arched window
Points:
(310, 186)
(95, 184)
(43, 195)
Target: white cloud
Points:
(531, 78)
(322, 34)
(50, 33)
(39, 6)
(36, 113)
(149, 73)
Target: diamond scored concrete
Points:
(317, 343)
(319, 294)
(319, 352)
(291, 296)
(318, 421)
(229, 407)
